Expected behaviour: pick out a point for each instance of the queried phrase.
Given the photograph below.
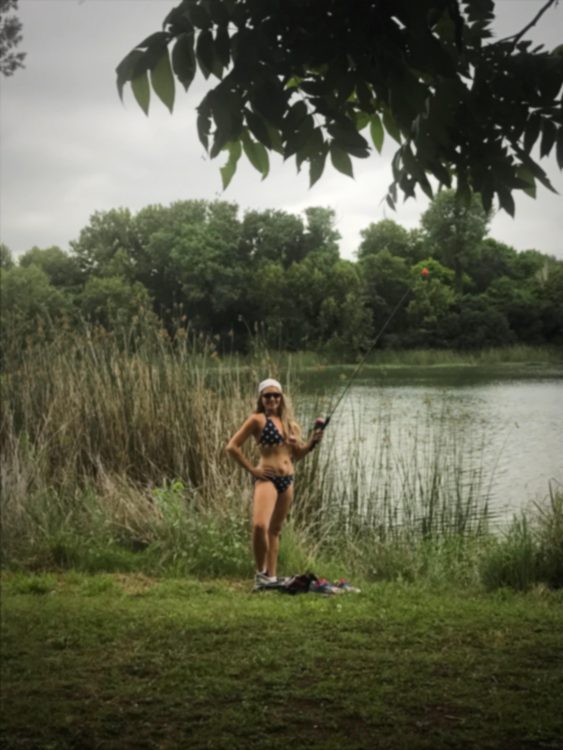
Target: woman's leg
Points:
(281, 509)
(265, 497)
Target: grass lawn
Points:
(125, 661)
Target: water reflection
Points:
(502, 438)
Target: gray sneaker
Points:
(263, 581)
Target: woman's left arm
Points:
(300, 450)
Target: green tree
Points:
(454, 232)
(6, 259)
(159, 262)
(430, 303)
(520, 303)
(551, 284)
(344, 318)
(385, 235)
(386, 279)
(113, 302)
(62, 269)
(108, 245)
(493, 260)
(274, 235)
(268, 309)
(30, 305)
(473, 322)
(529, 264)
(10, 37)
(306, 80)
(321, 235)
(212, 269)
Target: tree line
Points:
(201, 266)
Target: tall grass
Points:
(113, 458)
(95, 416)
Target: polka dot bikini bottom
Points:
(281, 483)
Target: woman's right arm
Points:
(234, 446)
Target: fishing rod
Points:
(321, 423)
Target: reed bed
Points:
(113, 458)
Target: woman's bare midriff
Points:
(277, 459)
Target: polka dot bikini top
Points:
(270, 435)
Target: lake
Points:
(470, 431)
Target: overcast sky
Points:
(69, 147)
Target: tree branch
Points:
(516, 37)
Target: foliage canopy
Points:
(199, 269)
(10, 37)
(315, 80)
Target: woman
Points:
(278, 438)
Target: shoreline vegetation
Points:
(113, 460)
(127, 614)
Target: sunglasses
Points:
(271, 395)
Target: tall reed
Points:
(113, 445)
(87, 411)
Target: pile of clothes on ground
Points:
(306, 583)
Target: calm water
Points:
(503, 436)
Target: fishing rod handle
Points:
(321, 423)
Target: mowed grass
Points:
(128, 661)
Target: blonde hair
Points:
(289, 423)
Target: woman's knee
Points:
(274, 529)
(260, 528)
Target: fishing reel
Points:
(321, 423)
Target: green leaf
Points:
(258, 128)
(183, 59)
(316, 168)
(346, 136)
(204, 121)
(299, 138)
(275, 138)
(312, 146)
(549, 134)
(391, 126)
(229, 169)
(440, 172)
(294, 82)
(256, 155)
(506, 200)
(223, 46)
(141, 90)
(361, 120)
(364, 95)
(126, 70)
(532, 132)
(159, 39)
(163, 81)
(377, 132)
(295, 116)
(269, 99)
(559, 148)
(198, 16)
(536, 170)
(219, 12)
(526, 176)
(178, 21)
(341, 160)
(208, 61)
(226, 109)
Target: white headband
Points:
(269, 382)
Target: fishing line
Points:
(321, 423)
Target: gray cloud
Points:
(69, 147)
